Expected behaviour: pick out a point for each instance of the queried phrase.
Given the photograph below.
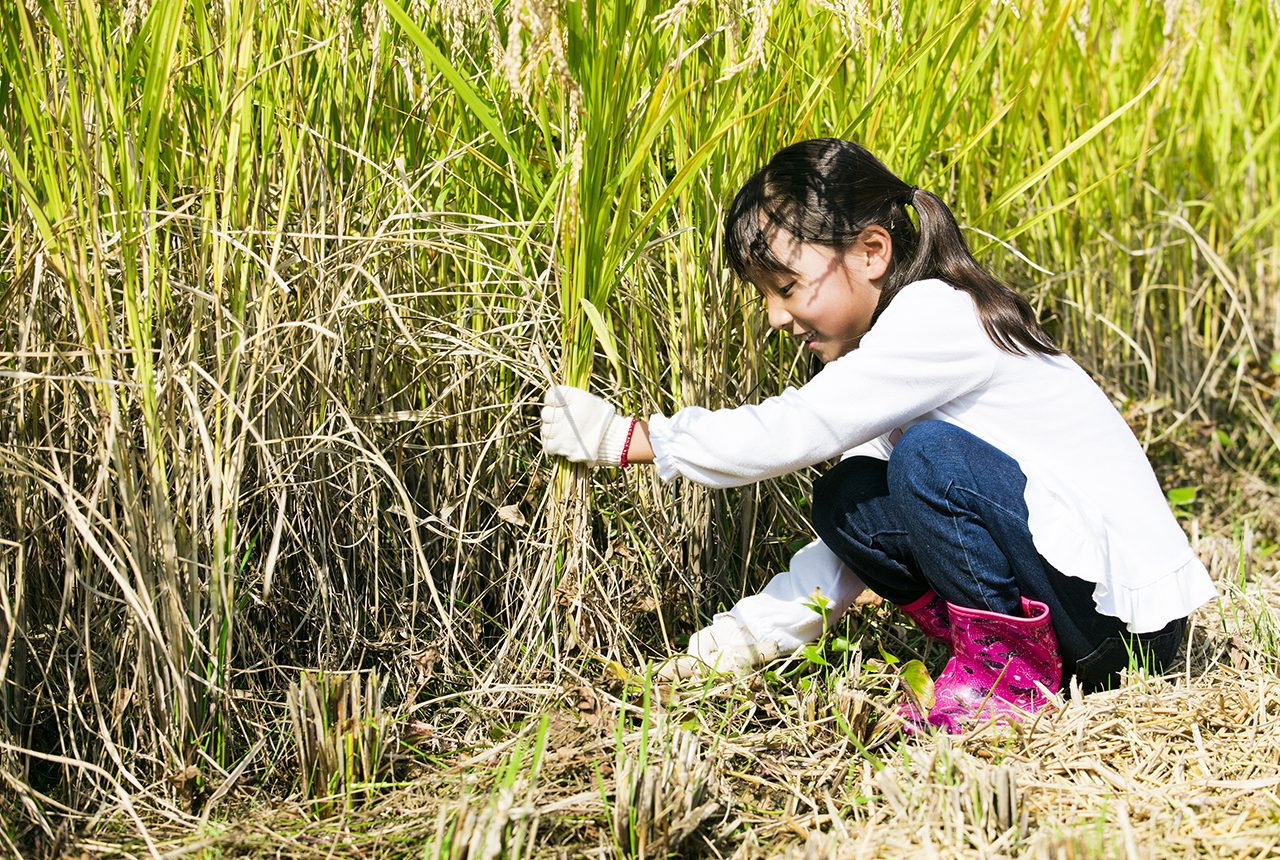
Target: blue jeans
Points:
(947, 513)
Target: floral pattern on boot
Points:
(997, 666)
(930, 614)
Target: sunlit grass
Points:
(283, 281)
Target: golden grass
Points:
(280, 283)
(1186, 765)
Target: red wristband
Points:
(627, 444)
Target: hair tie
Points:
(910, 199)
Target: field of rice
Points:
(283, 568)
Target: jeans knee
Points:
(932, 456)
(916, 455)
(927, 437)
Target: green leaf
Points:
(888, 658)
(465, 91)
(603, 334)
(819, 604)
(1182, 495)
(687, 174)
(813, 653)
(840, 644)
(1036, 176)
(916, 678)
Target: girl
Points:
(987, 486)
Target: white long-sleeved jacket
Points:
(1095, 508)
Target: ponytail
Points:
(827, 191)
(941, 252)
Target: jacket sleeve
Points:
(927, 349)
(781, 612)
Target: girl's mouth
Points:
(808, 339)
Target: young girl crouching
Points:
(986, 485)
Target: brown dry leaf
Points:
(585, 700)
(587, 704)
(412, 730)
(1240, 652)
(121, 700)
(511, 514)
(184, 780)
(426, 662)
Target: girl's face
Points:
(827, 303)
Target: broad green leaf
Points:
(813, 653)
(916, 678)
(603, 334)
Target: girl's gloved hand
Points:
(784, 617)
(720, 647)
(582, 427)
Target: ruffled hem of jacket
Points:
(1150, 607)
(1145, 607)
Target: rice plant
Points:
(283, 282)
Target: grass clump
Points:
(340, 729)
(283, 281)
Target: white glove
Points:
(723, 646)
(582, 427)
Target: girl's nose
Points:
(779, 317)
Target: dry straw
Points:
(271, 315)
(1182, 766)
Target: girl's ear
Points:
(874, 251)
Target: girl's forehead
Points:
(791, 252)
(783, 243)
(786, 243)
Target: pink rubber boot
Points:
(929, 612)
(995, 666)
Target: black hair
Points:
(827, 191)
